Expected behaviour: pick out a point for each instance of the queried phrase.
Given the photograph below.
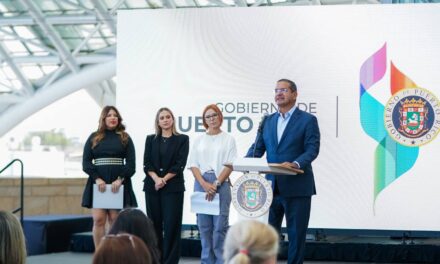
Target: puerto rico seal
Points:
(252, 195)
(412, 117)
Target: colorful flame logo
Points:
(392, 158)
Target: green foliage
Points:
(48, 138)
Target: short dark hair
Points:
(292, 84)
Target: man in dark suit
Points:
(290, 137)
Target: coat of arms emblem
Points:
(413, 114)
(252, 195)
(412, 117)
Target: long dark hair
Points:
(120, 129)
(135, 222)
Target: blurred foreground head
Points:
(122, 249)
(251, 242)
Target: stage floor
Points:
(86, 258)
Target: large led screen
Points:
(369, 74)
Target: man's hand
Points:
(290, 165)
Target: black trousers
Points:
(165, 209)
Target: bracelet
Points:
(120, 178)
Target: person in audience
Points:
(165, 157)
(135, 222)
(108, 158)
(12, 243)
(210, 151)
(251, 242)
(122, 249)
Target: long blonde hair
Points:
(12, 242)
(250, 242)
(157, 128)
(120, 129)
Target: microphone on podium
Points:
(259, 132)
(261, 125)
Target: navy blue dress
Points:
(109, 148)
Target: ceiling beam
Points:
(87, 77)
(26, 84)
(169, 4)
(240, 3)
(11, 99)
(104, 15)
(52, 34)
(87, 59)
(53, 20)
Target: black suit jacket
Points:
(174, 162)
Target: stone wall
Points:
(43, 195)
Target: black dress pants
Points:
(165, 209)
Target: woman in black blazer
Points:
(165, 157)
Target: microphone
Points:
(259, 132)
(261, 125)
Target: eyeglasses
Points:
(281, 90)
(215, 115)
(117, 236)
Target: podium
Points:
(252, 194)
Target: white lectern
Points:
(252, 193)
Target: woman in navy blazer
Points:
(165, 157)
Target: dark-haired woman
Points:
(165, 157)
(108, 158)
(122, 248)
(134, 221)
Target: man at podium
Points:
(290, 137)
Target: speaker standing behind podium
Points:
(291, 137)
(108, 158)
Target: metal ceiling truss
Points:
(66, 39)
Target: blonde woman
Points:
(12, 245)
(251, 242)
(165, 157)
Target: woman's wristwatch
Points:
(217, 183)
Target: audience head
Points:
(251, 242)
(122, 249)
(12, 242)
(134, 221)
